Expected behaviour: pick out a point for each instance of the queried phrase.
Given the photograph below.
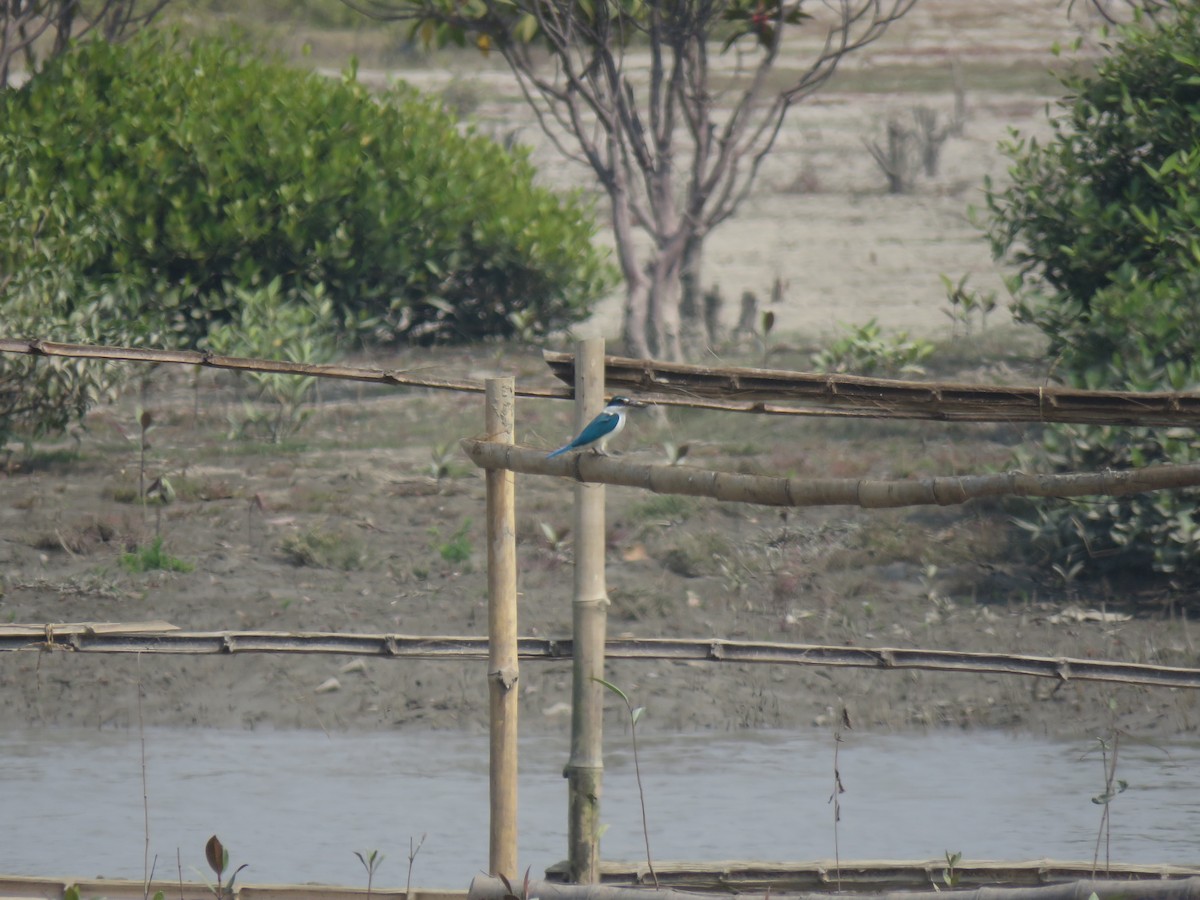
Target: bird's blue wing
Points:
(596, 429)
(592, 432)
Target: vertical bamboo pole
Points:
(585, 769)
(502, 636)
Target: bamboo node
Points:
(390, 646)
(716, 650)
(505, 676)
(1063, 670)
(226, 643)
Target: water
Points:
(295, 805)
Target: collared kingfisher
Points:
(597, 432)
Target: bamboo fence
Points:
(734, 389)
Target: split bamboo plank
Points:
(868, 493)
(758, 876)
(158, 626)
(20, 887)
(741, 389)
(483, 888)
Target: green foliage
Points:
(268, 325)
(867, 351)
(147, 189)
(458, 548)
(324, 549)
(1103, 223)
(153, 557)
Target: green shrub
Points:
(152, 557)
(268, 325)
(141, 184)
(1102, 222)
(865, 350)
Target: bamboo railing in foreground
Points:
(135, 638)
(755, 878)
(485, 888)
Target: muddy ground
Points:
(344, 527)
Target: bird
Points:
(596, 433)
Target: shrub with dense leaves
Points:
(149, 179)
(1103, 221)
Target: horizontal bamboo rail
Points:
(729, 389)
(485, 888)
(771, 490)
(739, 389)
(20, 887)
(113, 638)
(755, 878)
(394, 377)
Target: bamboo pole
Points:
(47, 638)
(209, 360)
(761, 390)
(868, 493)
(1175, 889)
(585, 768)
(502, 636)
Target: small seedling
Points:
(555, 538)
(458, 548)
(1113, 787)
(440, 457)
(510, 894)
(151, 557)
(634, 715)
(218, 860)
(371, 862)
(413, 850)
(675, 453)
(835, 797)
(950, 874)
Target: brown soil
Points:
(345, 529)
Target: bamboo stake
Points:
(585, 768)
(502, 636)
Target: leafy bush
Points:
(865, 350)
(270, 326)
(141, 183)
(1102, 221)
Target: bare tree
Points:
(36, 30)
(673, 104)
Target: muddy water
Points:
(295, 805)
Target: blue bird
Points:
(597, 432)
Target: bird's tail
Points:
(559, 452)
